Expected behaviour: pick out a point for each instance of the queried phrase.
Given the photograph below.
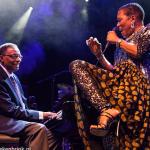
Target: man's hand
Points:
(95, 46)
(49, 115)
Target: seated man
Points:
(15, 117)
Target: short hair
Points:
(4, 47)
(134, 9)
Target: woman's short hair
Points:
(134, 9)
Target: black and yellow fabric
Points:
(81, 119)
(132, 98)
(126, 89)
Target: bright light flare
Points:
(17, 30)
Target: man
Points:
(15, 117)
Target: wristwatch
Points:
(119, 42)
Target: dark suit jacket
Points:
(12, 117)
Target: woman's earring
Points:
(132, 25)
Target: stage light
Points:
(17, 30)
(86, 0)
(85, 14)
(84, 11)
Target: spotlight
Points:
(30, 8)
(16, 32)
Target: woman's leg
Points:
(88, 84)
(91, 81)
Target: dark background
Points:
(55, 35)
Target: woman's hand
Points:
(96, 49)
(112, 37)
(95, 46)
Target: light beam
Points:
(16, 32)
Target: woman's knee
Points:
(76, 64)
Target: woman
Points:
(122, 89)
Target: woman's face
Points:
(124, 23)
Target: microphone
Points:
(108, 43)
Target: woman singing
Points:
(123, 89)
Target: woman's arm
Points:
(104, 62)
(96, 49)
(129, 48)
(134, 50)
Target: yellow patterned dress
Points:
(126, 88)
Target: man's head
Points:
(10, 56)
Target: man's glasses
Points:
(14, 56)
